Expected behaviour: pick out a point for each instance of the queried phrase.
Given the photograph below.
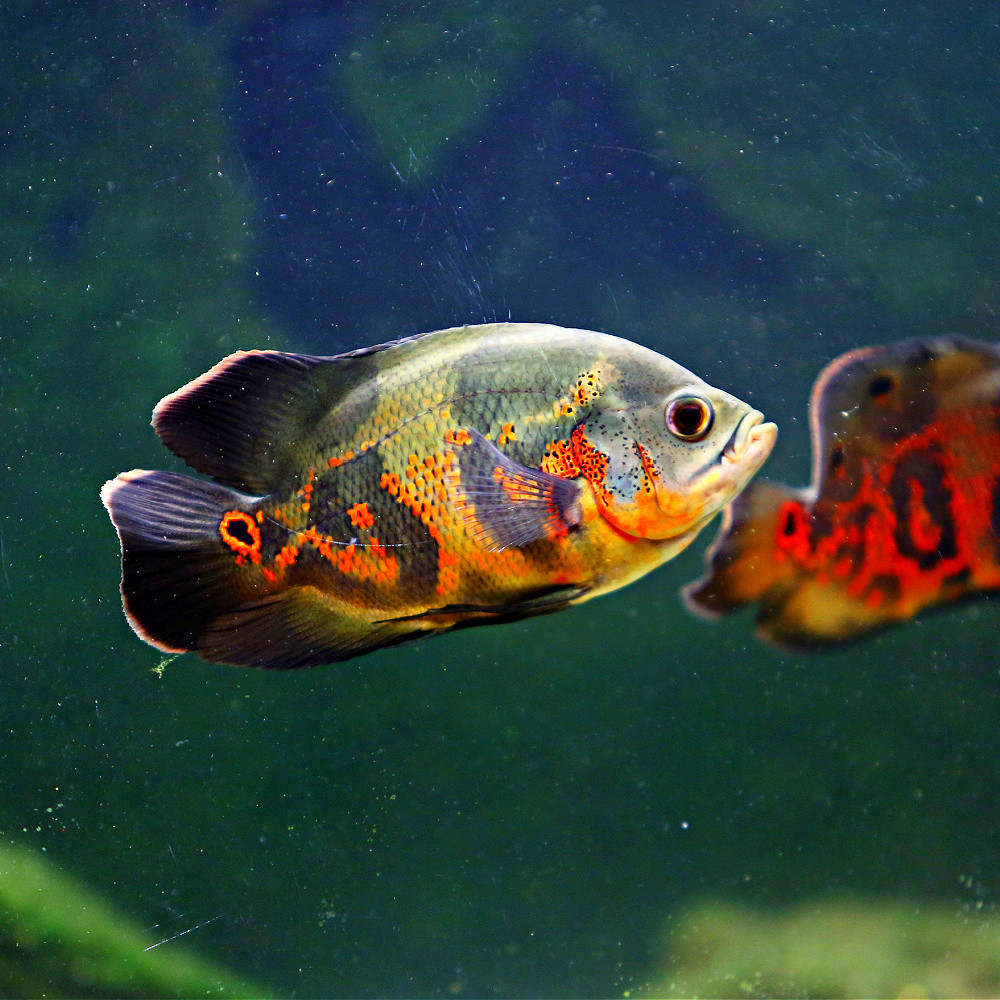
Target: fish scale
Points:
(470, 475)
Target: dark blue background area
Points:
(556, 176)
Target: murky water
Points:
(527, 809)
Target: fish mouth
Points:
(752, 435)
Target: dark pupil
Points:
(688, 417)
(789, 527)
(880, 386)
(836, 459)
(237, 527)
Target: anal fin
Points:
(540, 602)
(297, 627)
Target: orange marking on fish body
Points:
(874, 599)
(592, 463)
(457, 436)
(793, 532)
(286, 557)
(924, 533)
(860, 545)
(361, 516)
(506, 434)
(648, 467)
(559, 461)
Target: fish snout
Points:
(751, 442)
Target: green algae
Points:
(57, 938)
(832, 948)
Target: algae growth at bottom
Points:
(832, 948)
(59, 939)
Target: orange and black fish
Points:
(904, 507)
(472, 475)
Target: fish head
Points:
(869, 399)
(666, 453)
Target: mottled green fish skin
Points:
(470, 475)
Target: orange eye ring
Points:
(689, 418)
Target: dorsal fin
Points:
(241, 421)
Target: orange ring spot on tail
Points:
(249, 549)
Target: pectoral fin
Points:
(506, 504)
(743, 564)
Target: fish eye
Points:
(689, 417)
(881, 385)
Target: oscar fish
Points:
(472, 475)
(904, 508)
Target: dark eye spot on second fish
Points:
(882, 385)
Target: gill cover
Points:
(655, 466)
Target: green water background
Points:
(509, 811)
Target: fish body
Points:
(469, 475)
(903, 511)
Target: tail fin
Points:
(184, 590)
(176, 577)
(743, 561)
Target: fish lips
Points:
(750, 444)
